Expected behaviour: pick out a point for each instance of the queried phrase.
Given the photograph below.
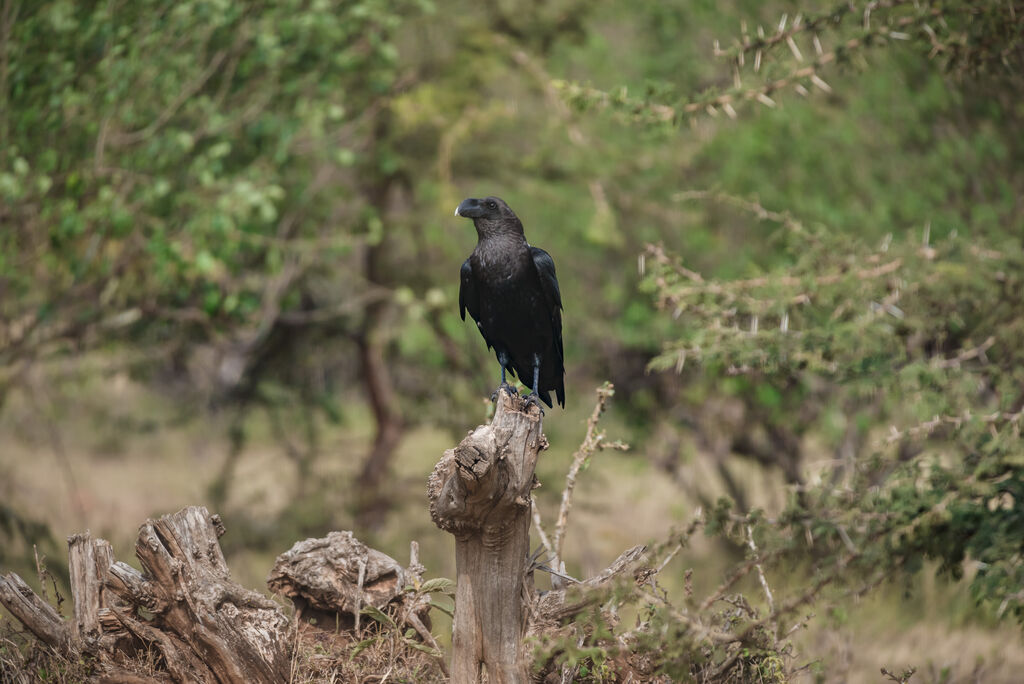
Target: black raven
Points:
(510, 290)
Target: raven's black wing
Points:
(545, 266)
(468, 298)
(552, 295)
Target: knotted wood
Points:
(480, 492)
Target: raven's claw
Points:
(508, 388)
(532, 398)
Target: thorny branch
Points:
(929, 426)
(871, 33)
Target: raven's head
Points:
(491, 208)
(490, 215)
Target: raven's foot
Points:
(532, 398)
(508, 388)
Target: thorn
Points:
(816, 80)
(794, 49)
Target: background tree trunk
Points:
(480, 492)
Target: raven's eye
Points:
(492, 205)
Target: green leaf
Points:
(446, 608)
(422, 647)
(442, 584)
(362, 646)
(378, 615)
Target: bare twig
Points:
(762, 578)
(727, 584)
(59, 452)
(539, 526)
(644, 110)
(712, 287)
(359, 594)
(593, 441)
(966, 355)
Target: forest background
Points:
(790, 234)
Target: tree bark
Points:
(480, 492)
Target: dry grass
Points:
(377, 655)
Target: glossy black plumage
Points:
(509, 288)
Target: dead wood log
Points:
(206, 627)
(237, 634)
(92, 626)
(38, 616)
(336, 575)
(480, 492)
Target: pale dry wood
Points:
(89, 560)
(236, 633)
(181, 662)
(205, 627)
(38, 616)
(480, 492)
(324, 575)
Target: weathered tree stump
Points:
(480, 492)
(185, 605)
(222, 631)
